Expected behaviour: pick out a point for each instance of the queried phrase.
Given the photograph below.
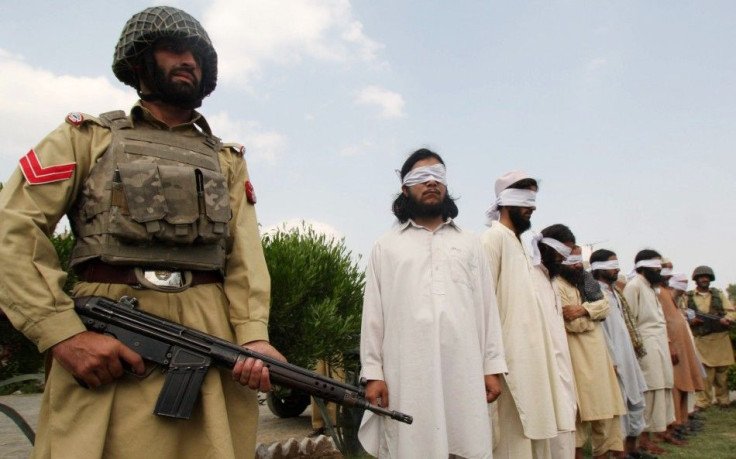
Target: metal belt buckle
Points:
(163, 280)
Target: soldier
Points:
(163, 211)
(714, 348)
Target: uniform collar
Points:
(139, 112)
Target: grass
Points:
(716, 441)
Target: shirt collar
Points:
(449, 222)
(139, 112)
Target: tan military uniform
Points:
(715, 352)
(116, 420)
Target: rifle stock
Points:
(187, 354)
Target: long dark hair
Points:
(402, 207)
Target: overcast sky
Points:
(625, 110)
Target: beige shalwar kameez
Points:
(598, 392)
(656, 365)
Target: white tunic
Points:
(550, 299)
(431, 331)
(534, 376)
(649, 318)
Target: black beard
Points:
(415, 208)
(570, 274)
(548, 260)
(520, 223)
(652, 276)
(177, 93)
(609, 277)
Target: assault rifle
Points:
(709, 323)
(187, 354)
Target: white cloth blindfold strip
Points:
(511, 197)
(666, 272)
(604, 265)
(561, 248)
(573, 260)
(436, 172)
(651, 263)
(679, 285)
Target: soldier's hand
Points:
(95, 359)
(376, 393)
(252, 372)
(725, 322)
(493, 387)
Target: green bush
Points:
(316, 297)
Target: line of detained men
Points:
(451, 319)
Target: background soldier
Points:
(159, 210)
(715, 349)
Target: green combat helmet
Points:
(144, 28)
(704, 271)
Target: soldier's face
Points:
(179, 71)
(703, 282)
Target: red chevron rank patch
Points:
(36, 174)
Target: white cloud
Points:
(33, 101)
(356, 150)
(261, 146)
(390, 103)
(596, 64)
(249, 33)
(300, 224)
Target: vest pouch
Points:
(215, 206)
(139, 216)
(180, 191)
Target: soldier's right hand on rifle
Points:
(95, 359)
(376, 392)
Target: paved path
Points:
(14, 445)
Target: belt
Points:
(97, 271)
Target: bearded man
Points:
(598, 394)
(656, 365)
(533, 406)
(430, 342)
(163, 211)
(624, 344)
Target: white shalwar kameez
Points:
(431, 331)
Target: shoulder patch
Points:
(235, 148)
(77, 119)
(36, 174)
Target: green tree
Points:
(731, 292)
(316, 296)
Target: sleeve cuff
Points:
(55, 329)
(495, 366)
(372, 372)
(251, 331)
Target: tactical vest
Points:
(155, 198)
(716, 303)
